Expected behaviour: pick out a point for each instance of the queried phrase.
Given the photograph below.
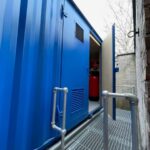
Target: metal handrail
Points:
(133, 100)
(53, 123)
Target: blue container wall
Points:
(9, 19)
(31, 63)
(27, 39)
(75, 66)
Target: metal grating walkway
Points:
(91, 138)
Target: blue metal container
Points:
(40, 49)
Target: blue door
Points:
(75, 65)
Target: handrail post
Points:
(54, 107)
(134, 127)
(105, 122)
(133, 100)
(64, 119)
(54, 126)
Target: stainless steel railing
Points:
(54, 126)
(133, 100)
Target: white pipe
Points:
(130, 97)
(134, 129)
(54, 108)
(54, 126)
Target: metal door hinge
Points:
(63, 13)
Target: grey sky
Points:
(102, 13)
(96, 11)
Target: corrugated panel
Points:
(26, 71)
(77, 100)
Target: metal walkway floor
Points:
(91, 138)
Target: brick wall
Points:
(143, 69)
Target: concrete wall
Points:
(126, 77)
(143, 69)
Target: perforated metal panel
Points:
(77, 99)
(91, 138)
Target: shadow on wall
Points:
(126, 77)
(122, 104)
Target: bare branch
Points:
(121, 13)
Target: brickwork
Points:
(143, 69)
(147, 43)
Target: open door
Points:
(94, 73)
(108, 69)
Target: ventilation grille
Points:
(77, 100)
